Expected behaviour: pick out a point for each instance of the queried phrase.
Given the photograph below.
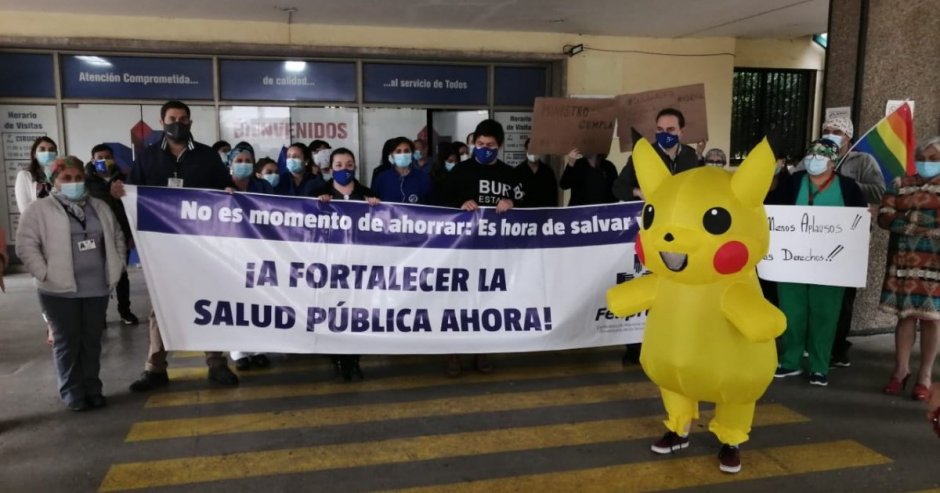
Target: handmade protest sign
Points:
(249, 272)
(638, 111)
(562, 124)
(817, 245)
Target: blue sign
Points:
(271, 80)
(112, 77)
(519, 86)
(424, 84)
(26, 76)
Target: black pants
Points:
(123, 294)
(841, 344)
(77, 324)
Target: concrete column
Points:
(880, 50)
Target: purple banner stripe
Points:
(267, 217)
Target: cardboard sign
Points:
(563, 124)
(817, 245)
(639, 111)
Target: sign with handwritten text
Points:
(817, 245)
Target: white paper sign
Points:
(818, 245)
(838, 112)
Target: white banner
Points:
(818, 245)
(281, 274)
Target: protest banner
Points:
(638, 111)
(562, 124)
(817, 245)
(284, 274)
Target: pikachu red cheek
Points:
(639, 250)
(731, 258)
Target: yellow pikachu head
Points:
(706, 224)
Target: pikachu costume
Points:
(710, 332)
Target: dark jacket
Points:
(686, 159)
(100, 188)
(589, 184)
(360, 191)
(541, 186)
(787, 191)
(413, 188)
(309, 184)
(199, 167)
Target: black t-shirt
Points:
(541, 187)
(589, 184)
(485, 184)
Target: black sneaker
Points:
(78, 406)
(128, 319)
(149, 380)
(818, 379)
(669, 443)
(222, 375)
(242, 364)
(631, 356)
(786, 372)
(839, 361)
(729, 459)
(260, 360)
(96, 401)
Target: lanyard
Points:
(825, 185)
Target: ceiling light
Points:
(95, 61)
(295, 66)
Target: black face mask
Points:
(177, 131)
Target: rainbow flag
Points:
(891, 143)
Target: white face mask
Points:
(464, 157)
(322, 158)
(533, 158)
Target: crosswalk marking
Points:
(247, 393)
(340, 415)
(681, 472)
(203, 469)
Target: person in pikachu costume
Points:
(709, 333)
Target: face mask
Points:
(449, 165)
(666, 140)
(242, 170)
(177, 132)
(224, 157)
(816, 165)
(46, 158)
(418, 155)
(834, 138)
(101, 166)
(322, 158)
(928, 169)
(485, 155)
(273, 179)
(343, 176)
(295, 165)
(73, 191)
(402, 160)
(533, 158)
(464, 157)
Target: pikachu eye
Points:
(648, 214)
(716, 220)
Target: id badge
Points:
(87, 245)
(175, 183)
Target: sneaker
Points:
(631, 356)
(260, 360)
(839, 361)
(729, 459)
(96, 401)
(818, 379)
(669, 443)
(786, 372)
(77, 406)
(149, 380)
(128, 319)
(242, 364)
(222, 375)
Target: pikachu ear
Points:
(651, 171)
(751, 181)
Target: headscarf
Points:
(840, 123)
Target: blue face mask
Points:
(816, 165)
(273, 179)
(837, 139)
(666, 140)
(101, 166)
(449, 165)
(343, 176)
(242, 170)
(73, 191)
(485, 155)
(928, 169)
(418, 155)
(46, 158)
(402, 160)
(295, 165)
